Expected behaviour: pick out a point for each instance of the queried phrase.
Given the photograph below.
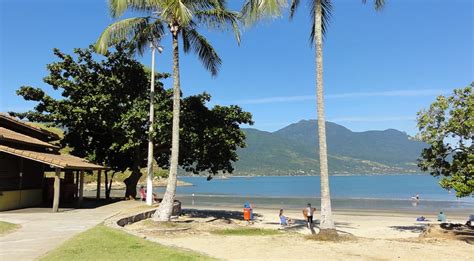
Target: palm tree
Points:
(183, 18)
(320, 12)
(139, 32)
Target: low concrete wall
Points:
(144, 215)
(20, 199)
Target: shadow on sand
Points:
(216, 214)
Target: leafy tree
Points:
(103, 111)
(320, 12)
(183, 18)
(448, 127)
(139, 32)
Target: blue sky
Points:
(380, 67)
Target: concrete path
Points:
(41, 231)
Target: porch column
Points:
(98, 183)
(57, 179)
(81, 187)
(76, 193)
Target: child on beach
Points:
(308, 215)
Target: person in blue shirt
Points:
(284, 221)
(441, 217)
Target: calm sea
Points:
(384, 192)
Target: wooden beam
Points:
(98, 184)
(81, 187)
(57, 182)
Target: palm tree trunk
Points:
(149, 177)
(166, 206)
(326, 213)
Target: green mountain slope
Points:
(293, 150)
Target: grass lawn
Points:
(6, 227)
(246, 232)
(103, 243)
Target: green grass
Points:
(246, 232)
(103, 243)
(6, 227)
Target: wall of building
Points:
(20, 199)
(20, 191)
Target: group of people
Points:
(308, 213)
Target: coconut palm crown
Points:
(183, 18)
(320, 13)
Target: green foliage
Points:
(291, 150)
(104, 112)
(183, 18)
(103, 243)
(448, 127)
(255, 10)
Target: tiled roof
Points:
(31, 127)
(9, 135)
(55, 160)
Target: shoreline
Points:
(219, 176)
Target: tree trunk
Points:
(131, 182)
(149, 172)
(326, 212)
(166, 206)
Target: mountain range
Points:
(293, 150)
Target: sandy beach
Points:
(369, 236)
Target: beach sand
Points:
(373, 236)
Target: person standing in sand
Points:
(308, 215)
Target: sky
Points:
(380, 68)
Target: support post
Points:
(98, 184)
(76, 193)
(57, 179)
(81, 187)
(106, 185)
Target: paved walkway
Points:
(41, 231)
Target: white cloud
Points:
(399, 93)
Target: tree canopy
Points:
(448, 127)
(104, 109)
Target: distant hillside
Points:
(293, 150)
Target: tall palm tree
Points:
(320, 12)
(183, 18)
(139, 32)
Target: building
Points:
(26, 153)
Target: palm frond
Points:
(199, 44)
(177, 11)
(378, 4)
(293, 6)
(118, 7)
(153, 32)
(120, 31)
(221, 19)
(326, 9)
(254, 10)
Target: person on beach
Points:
(284, 221)
(441, 217)
(143, 194)
(308, 214)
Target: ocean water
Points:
(383, 192)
